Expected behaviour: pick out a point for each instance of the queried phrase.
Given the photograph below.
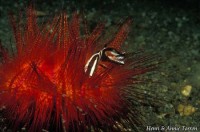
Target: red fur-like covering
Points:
(44, 83)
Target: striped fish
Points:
(106, 54)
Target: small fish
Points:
(111, 54)
(106, 54)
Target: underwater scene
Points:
(100, 66)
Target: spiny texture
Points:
(44, 85)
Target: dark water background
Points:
(169, 28)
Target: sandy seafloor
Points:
(168, 28)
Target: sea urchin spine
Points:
(44, 84)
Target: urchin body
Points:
(46, 83)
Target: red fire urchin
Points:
(44, 84)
